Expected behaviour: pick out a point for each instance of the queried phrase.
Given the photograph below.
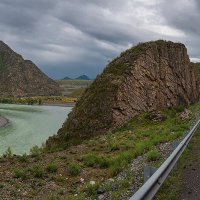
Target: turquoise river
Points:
(29, 126)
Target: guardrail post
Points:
(148, 172)
(174, 146)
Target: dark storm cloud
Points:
(68, 38)
(184, 15)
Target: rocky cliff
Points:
(145, 78)
(19, 77)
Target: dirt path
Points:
(190, 189)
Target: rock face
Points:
(145, 78)
(19, 77)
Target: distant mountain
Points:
(66, 78)
(83, 77)
(19, 77)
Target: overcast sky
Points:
(74, 37)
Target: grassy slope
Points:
(97, 159)
(172, 186)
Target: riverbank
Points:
(40, 100)
(3, 121)
(59, 104)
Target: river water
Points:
(29, 125)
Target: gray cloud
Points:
(69, 38)
(184, 15)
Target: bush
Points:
(112, 143)
(37, 171)
(20, 173)
(35, 151)
(74, 169)
(52, 167)
(8, 153)
(23, 158)
(120, 162)
(113, 146)
(91, 190)
(142, 147)
(103, 162)
(90, 160)
(153, 155)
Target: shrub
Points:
(113, 146)
(142, 147)
(90, 160)
(103, 162)
(23, 158)
(37, 171)
(153, 155)
(52, 167)
(35, 151)
(74, 169)
(91, 190)
(20, 173)
(8, 153)
(53, 197)
(119, 162)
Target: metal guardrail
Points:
(150, 188)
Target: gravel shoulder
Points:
(137, 166)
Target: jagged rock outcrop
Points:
(145, 78)
(19, 77)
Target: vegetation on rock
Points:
(145, 78)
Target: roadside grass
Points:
(91, 160)
(171, 188)
(153, 155)
(105, 156)
(52, 167)
(74, 169)
(141, 135)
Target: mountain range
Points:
(19, 77)
(82, 77)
